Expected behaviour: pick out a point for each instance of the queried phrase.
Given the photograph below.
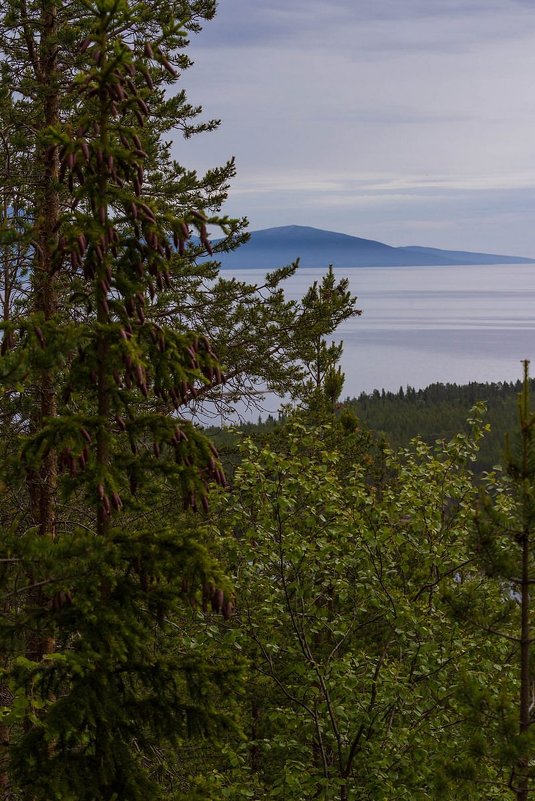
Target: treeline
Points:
(437, 412)
(440, 411)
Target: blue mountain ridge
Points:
(275, 247)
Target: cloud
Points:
(366, 24)
(376, 184)
(345, 111)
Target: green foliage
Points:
(346, 590)
(100, 563)
(438, 412)
(324, 308)
(370, 656)
(116, 683)
(504, 547)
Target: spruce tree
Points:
(94, 569)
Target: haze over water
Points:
(420, 325)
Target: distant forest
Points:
(437, 412)
(440, 411)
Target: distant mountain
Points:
(276, 247)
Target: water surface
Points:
(425, 324)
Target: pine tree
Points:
(325, 306)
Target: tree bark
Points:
(522, 789)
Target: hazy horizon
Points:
(423, 325)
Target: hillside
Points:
(275, 247)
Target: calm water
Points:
(426, 324)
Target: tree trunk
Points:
(42, 483)
(47, 217)
(522, 788)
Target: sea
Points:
(421, 325)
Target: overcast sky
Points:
(406, 121)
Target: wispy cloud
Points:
(287, 23)
(376, 184)
(373, 106)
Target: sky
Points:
(407, 121)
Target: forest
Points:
(440, 411)
(334, 605)
(437, 412)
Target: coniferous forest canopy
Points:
(337, 614)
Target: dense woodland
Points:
(336, 615)
(440, 411)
